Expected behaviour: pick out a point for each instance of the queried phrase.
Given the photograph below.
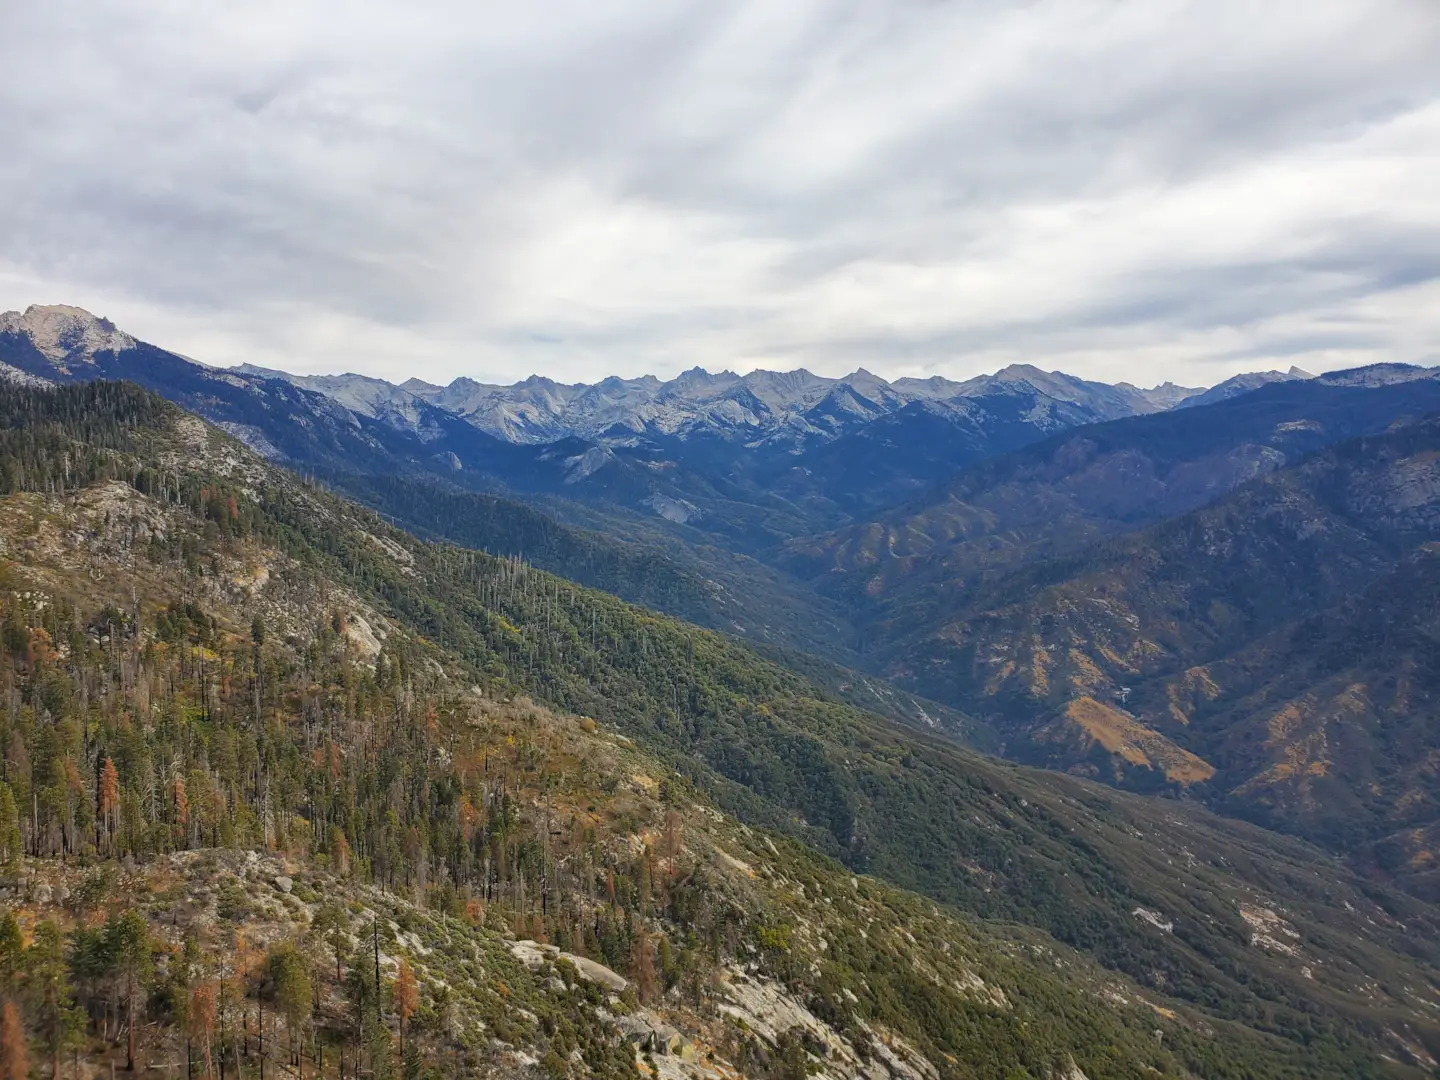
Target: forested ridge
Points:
(722, 590)
(362, 713)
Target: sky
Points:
(1146, 191)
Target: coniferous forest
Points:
(287, 791)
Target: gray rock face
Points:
(784, 406)
(648, 1034)
(770, 1012)
(761, 405)
(533, 954)
(65, 334)
(1380, 375)
(21, 378)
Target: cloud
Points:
(1121, 189)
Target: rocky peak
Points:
(698, 381)
(1380, 375)
(936, 387)
(1243, 384)
(62, 333)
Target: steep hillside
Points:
(913, 566)
(1257, 938)
(705, 585)
(272, 825)
(1272, 652)
(408, 471)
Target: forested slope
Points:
(1272, 652)
(726, 591)
(910, 569)
(1187, 904)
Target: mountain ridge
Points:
(865, 529)
(786, 405)
(1257, 936)
(742, 459)
(1269, 652)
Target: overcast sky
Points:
(1149, 190)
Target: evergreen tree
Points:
(11, 842)
(109, 804)
(14, 1050)
(203, 1003)
(407, 998)
(128, 942)
(330, 925)
(48, 976)
(289, 976)
(12, 952)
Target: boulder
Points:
(634, 1030)
(648, 1034)
(533, 954)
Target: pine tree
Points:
(339, 851)
(11, 843)
(642, 967)
(182, 804)
(12, 951)
(128, 938)
(203, 1002)
(60, 1020)
(331, 925)
(290, 978)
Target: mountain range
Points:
(386, 789)
(753, 460)
(710, 474)
(1274, 647)
(791, 408)
(1169, 590)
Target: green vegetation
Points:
(363, 712)
(699, 584)
(1284, 634)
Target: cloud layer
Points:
(1150, 191)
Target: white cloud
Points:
(1138, 190)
